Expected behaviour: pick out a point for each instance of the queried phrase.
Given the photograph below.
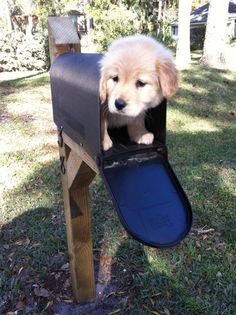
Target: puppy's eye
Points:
(140, 83)
(115, 78)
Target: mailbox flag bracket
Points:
(148, 198)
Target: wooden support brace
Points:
(75, 181)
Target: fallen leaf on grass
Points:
(220, 245)
(115, 294)
(152, 301)
(19, 271)
(198, 244)
(65, 266)
(151, 311)
(115, 312)
(67, 284)
(36, 245)
(68, 301)
(23, 242)
(203, 231)
(41, 292)
(155, 295)
(20, 306)
(166, 311)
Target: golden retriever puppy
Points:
(137, 72)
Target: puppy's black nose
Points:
(120, 104)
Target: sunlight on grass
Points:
(227, 180)
(7, 180)
(184, 122)
(28, 139)
(158, 263)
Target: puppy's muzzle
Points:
(120, 104)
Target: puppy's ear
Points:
(103, 87)
(168, 77)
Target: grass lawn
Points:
(196, 277)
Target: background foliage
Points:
(19, 52)
(22, 50)
(119, 18)
(111, 19)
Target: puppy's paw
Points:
(146, 138)
(107, 144)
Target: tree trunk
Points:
(7, 15)
(29, 26)
(183, 57)
(215, 44)
(159, 10)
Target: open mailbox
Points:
(146, 193)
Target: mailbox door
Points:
(150, 202)
(75, 98)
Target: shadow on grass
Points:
(207, 93)
(21, 81)
(130, 278)
(205, 164)
(33, 244)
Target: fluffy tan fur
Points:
(138, 72)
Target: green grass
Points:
(196, 277)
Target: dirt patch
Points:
(5, 117)
(27, 118)
(5, 90)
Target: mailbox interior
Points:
(147, 196)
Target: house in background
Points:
(198, 21)
(77, 14)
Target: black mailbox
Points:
(146, 193)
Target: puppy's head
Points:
(136, 73)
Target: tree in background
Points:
(183, 56)
(112, 20)
(198, 3)
(215, 44)
(116, 18)
(23, 33)
(23, 45)
(5, 16)
(46, 8)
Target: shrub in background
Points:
(19, 52)
(116, 18)
(111, 21)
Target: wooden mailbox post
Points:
(78, 171)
